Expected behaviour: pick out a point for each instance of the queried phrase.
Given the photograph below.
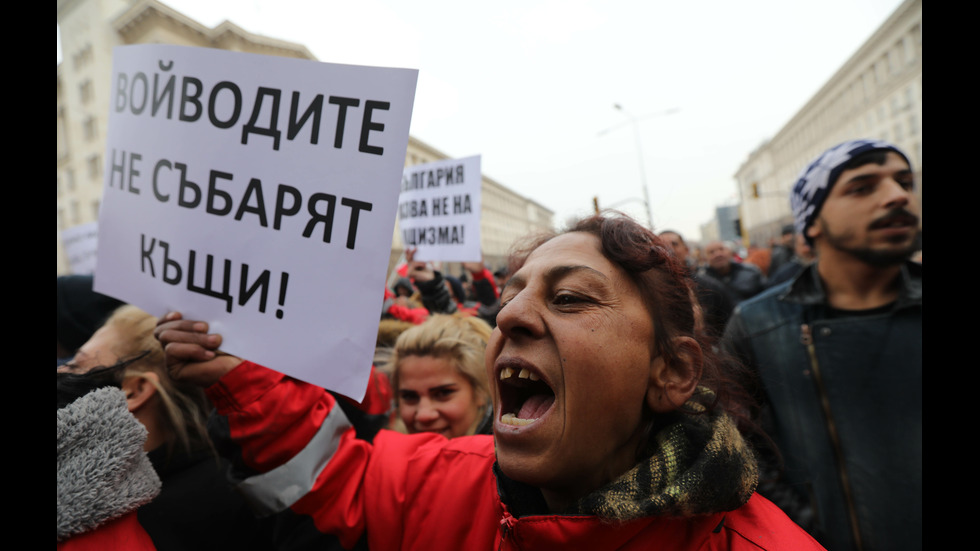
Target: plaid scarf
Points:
(696, 464)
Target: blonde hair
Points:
(184, 407)
(462, 340)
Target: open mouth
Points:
(524, 397)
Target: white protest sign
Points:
(439, 210)
(259, 194)
(81, 244)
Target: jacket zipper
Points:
(806, 337)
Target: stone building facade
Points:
(90, 29)
(877, 93)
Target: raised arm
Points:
(431, 285)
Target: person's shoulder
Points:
(764, 297)
(432, 444)
(763, 310)
(703, 279)
(763, 525)
(749, 266)
(460, 465)
(784, 272)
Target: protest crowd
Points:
(612, 386)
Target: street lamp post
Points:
(639, 151)
(643, 172)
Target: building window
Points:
(95, 209)
(70, 180)
(909, 49)
(913, 125)
(74, 211)
(898, 131)
(880, 75)
(89, 129)
(94, 167)
(85, 91)
(83, 57)
(893, 63)
(62, 223)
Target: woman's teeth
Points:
(511, 419)
(508, 372)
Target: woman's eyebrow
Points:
(553, 273)
(562, 271)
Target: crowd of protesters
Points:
(611, 387)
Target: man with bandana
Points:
(836, 355)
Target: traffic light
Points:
(755, 190)
(595, 204)
(738, 227)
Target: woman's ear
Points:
(673, 384)
(139, 389)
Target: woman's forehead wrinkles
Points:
(553, 273)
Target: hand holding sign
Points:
(417, 270)
(192, 353)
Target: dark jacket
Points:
(198, 508)
(786, 271)
(843, 403)
(716, 302)
(742, 280)
(781, 255)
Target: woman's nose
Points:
(520, 317)
(426, 412)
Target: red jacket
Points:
(125, 532)
(425, 492)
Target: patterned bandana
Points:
(814, 183)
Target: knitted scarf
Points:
(696, 464)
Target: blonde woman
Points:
(439, 378)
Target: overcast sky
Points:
(531, 85)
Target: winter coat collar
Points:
(807, 288)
